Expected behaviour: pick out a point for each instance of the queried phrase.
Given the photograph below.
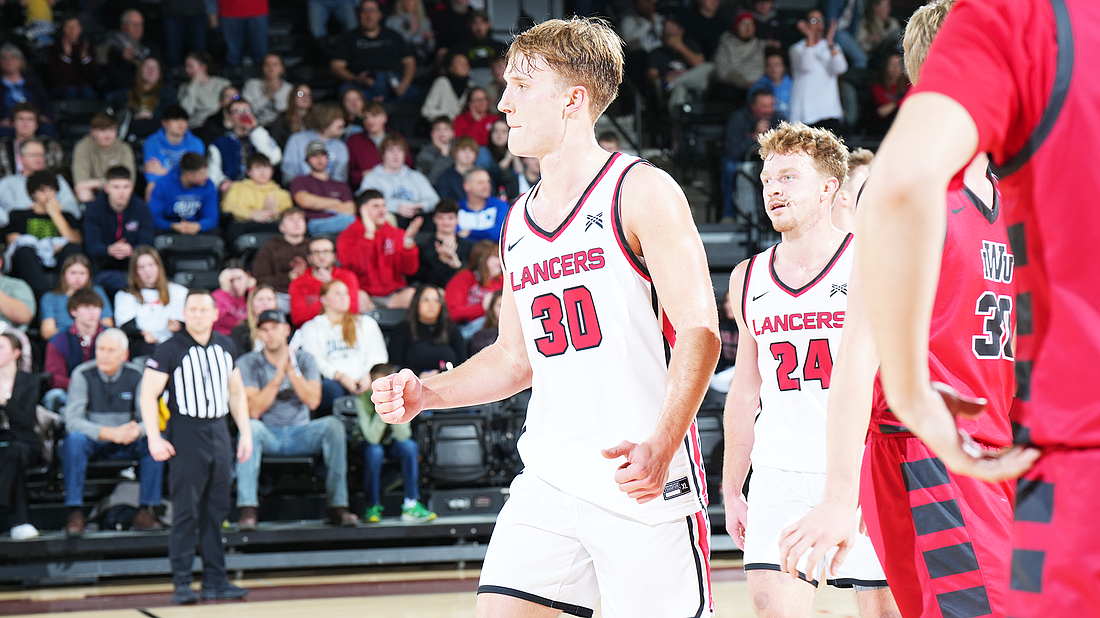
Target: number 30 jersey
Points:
(596, 341)
(797, 333)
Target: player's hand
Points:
(244, 448)
(161, 449)
(397, 397)
(826, 526)
(932, 419)
(737, 517)
(645, 471)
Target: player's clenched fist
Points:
(396, 397)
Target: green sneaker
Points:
(417, 512)
(373, 514)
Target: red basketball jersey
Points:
(973, 319)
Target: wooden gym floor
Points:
(440, 592)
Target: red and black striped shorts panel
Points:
(1056, 539)
(942, 539)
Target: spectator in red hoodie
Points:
(381, 255)
(305, 291)
(471, 290)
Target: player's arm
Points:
(658, 226)
(742, 401)
(832, 522)
(901, 222)
(152, 385)
(497, 372)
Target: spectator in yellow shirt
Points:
(255, 202)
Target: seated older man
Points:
(103, 422)
(283, 385)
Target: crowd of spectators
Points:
(360, 215)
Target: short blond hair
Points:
(828, 151)
(583, 51)
(919, 33)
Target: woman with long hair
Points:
(150, 309)
(293, 119)
(260, 299)
(888, 91)
(201, 94)
(471, 289)
(354, 104)
(427, 341)
(145, 102)
(268, 95)
(76, 274)
(448, 93)
(411, 21)
(20, 447)
(345, 345)
(491, 328)
(501, 164)
(477, 118)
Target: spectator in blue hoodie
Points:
(116, 223)
(185, 201)
(163, 149)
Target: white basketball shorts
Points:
(559, 551)
(779, 498)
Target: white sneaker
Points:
(23, 532)
(130, 474)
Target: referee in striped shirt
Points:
(194, 374)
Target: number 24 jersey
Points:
(797, 333)
(596, 341)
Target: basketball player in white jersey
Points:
(844, 206)
(791, 302)
(608, 314)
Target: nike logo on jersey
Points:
(955, 212)
(596, 219)
(842, 288)
(760, 294)
(511, 246)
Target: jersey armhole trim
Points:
(745, 288)
(617, 224)
(1063, 75)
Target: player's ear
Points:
(577, 96)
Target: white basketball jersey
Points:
(797, 335)
(596, 341)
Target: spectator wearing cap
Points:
(324, 122)
(163, 150)
(739, 60)
(185, 201)
(115, 224)
(328, 203)
(97, 152)
(283, 387)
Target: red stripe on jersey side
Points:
(824, 272)
(668, 331)
(745, 287)
(551, 236)
(695, 455)
(620, 231)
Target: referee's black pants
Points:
(198, 480)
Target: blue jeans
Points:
(78, 449)
(320, 10)
(406, 451)
(236, 29)
(330, 225)
(193, 29)
(325, 435)
(330, 391)
(855, 55)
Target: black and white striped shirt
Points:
(198, 375)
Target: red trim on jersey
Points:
(824, 272)
(668, 331)
(745, 287)
(696, 457)
(551, 236)
(620, 232)
(703, 527)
